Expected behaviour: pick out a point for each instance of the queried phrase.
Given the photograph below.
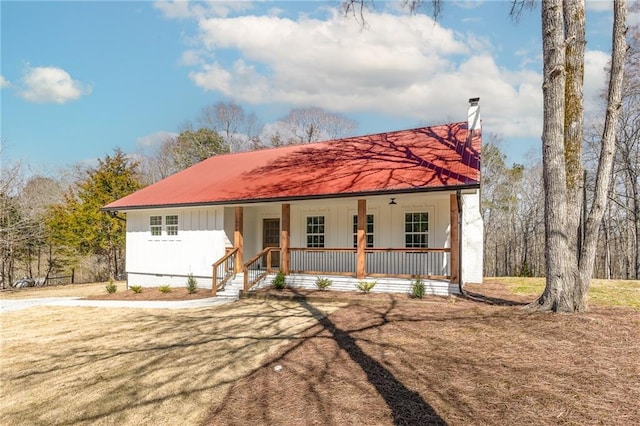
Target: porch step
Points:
(232, 288)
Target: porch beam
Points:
(454, 238)
(285, 240)
(238, 238)
(361, 240)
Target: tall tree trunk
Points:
(607, 154)
(560, 263)
(575, 41)
(567, 277)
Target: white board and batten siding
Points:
(153, 261)
(472, 239)
(205, 232)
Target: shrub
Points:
(323, 283)
(279, 281)
(111, 287)
(136, 288)
(417, 289)
(192, 284)
(366, 286)
(165, 288)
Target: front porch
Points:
(393, 269)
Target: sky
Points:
(80, 78)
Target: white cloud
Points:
(599, 5)
(4, 82)
(154, 139)
(407, 66)
(633, 18)
(51, 84)
(191, 58)
(183, 9)
(595, 75)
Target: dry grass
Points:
(449, 361)
(123, 366)
(379, 360)
(68, 290)
(97, 291)
(602, 292)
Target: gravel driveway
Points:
(8, 305)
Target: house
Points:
(388, 207)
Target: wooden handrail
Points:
(214, 286)
(265, 252)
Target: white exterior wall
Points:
(204, 232)
(472, 239)
(388, 220)
(159, 260)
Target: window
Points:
(416, 230)
(315, 231)
(171, 223)
(155, 225)
(368, 230)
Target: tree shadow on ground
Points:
(407, 406)
(492, 300)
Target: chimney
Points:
(473, 117)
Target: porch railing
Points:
(223, 270)
(381, 262)
(258, 267)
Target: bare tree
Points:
(230, 120)
(156, 163)
(34, 200)
(12, 223)
(569, 265)
(568, 279)
(307, 125)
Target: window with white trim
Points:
(171, 224)
(155, 225)
(368, 230)
(416, 230)
(315, 231)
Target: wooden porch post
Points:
(454, 238)
(285, 239)
(238, 239)
(361, 240)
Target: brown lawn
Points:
(375, 360)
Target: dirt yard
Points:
(373, 360)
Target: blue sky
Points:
(80, 78)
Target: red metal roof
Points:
(422, 159)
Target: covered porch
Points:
(435, 260)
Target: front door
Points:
(271, 238)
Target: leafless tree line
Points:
(27, 202)
(513, 198)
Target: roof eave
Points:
(474, 185)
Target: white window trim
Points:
(164, 227)
(323, 234)
(155, 226)
(373, 234)
(172, 229)
(429, 232)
